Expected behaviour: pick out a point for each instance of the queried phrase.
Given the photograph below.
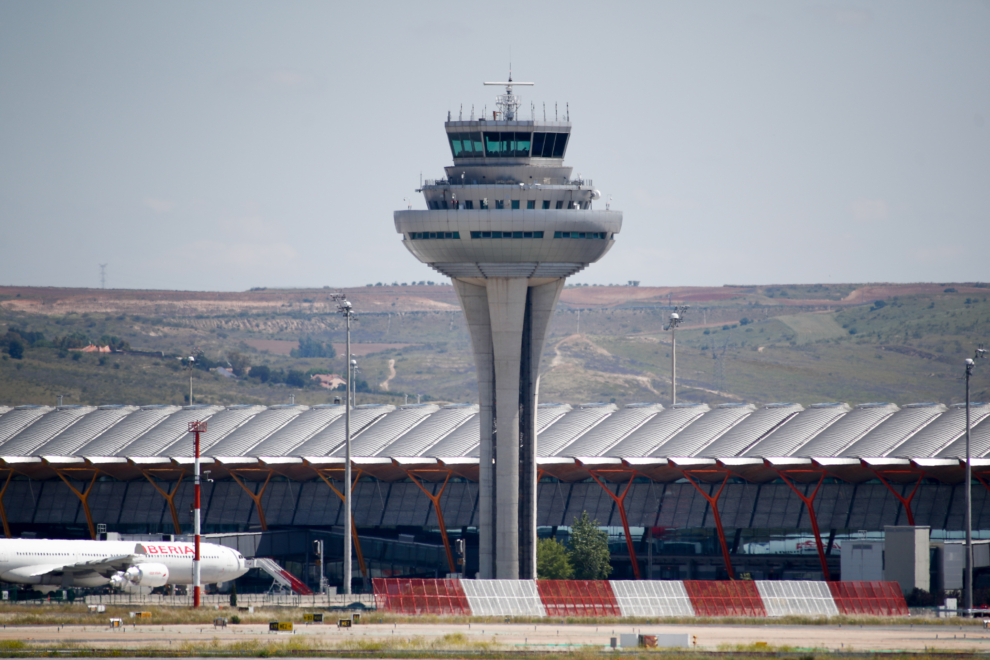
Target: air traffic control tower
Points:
(508, 225)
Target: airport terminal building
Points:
(687, 492)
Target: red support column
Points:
(354, 534)
(713, 502)
(905, 501)
(436, 507)
(620, 502)
(3, 511)
(809, 504)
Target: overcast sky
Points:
(227, 145)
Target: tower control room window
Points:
(465, 145)
(549, 145)
(507, 145)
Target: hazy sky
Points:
(226, 145)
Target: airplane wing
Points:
(106, 567)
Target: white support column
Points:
(474, 302)
(542, 303)
(507, 309)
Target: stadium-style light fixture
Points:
(676, 317)
(968, 582)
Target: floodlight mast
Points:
(345, 308)
(676, 317)
(968, 581)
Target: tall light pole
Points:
(189, 361)
(968, 578)
(344, 307)
(676, 317)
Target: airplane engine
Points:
(120, 581)
(148, 575)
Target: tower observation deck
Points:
(508, 224)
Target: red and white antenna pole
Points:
(197, 428)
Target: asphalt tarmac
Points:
(545, 636)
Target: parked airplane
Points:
(132, 566)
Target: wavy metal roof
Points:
(126, 430)
(847, 430)
(44, 428)
(14, 421)
(599, 439)
(299, 430)
(941, 432)
(786, 438)
(894, 430)
(462, 441)
(751, 430)
(332, 437)
(572, 426)
(644, 432)
(705, 430)
(432, 430)
(165, 434)
(245, 437)
(390, 427)
(658, 430)
(83, 431)
(979, 441)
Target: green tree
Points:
(239, 363)
(589, 550)
(233, 594)
(310, 347)
(295, 378)
(552, 562)
(15, 348)
(262, 372)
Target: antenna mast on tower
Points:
(103, 276)
(508, 103)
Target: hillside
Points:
(806, 343)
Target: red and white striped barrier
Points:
(637, 598)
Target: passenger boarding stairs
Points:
(282, 577)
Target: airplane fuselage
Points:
(94, 563)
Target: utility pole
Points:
(345, 308)
(968, 481)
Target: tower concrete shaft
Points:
(508, 320)
(508, 225)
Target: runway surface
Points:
(545, 636)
